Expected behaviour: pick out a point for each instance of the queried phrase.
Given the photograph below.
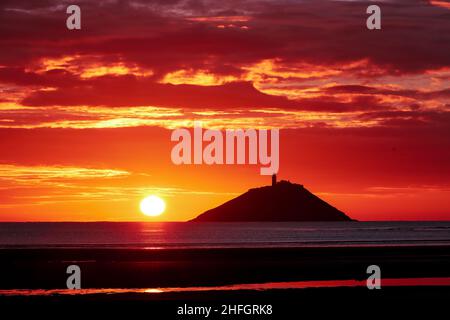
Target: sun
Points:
(152, 206)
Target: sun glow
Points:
(152, 206)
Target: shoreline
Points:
(285, 303)
(294, 285)
(144, 273)
(143, 268)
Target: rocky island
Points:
(282, 201)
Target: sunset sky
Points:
(86, 115)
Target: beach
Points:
(40, 268)
(164, 269)
(162, 281)
(349, 303)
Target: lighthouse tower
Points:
(274, 180)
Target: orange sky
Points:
(86, 116)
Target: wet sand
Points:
(314, 303)
(141, 268)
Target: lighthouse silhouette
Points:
(274, 180)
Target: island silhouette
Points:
(282, 201)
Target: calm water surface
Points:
(193, 235)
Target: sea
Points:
(161, 235)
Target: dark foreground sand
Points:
(314, 303)
(139, 268)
